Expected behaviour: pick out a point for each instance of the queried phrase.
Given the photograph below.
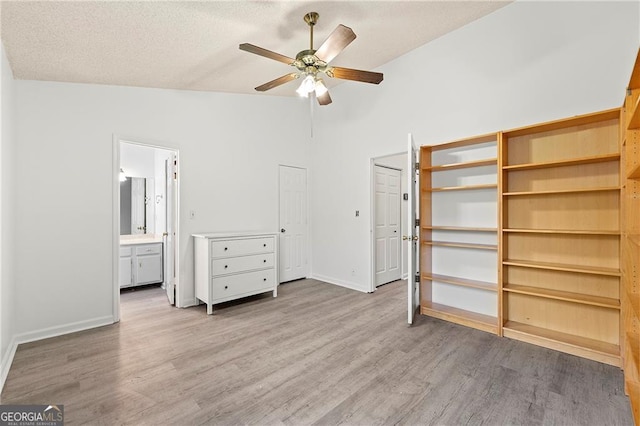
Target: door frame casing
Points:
(115, 232)
(307, 247)
(372, 217)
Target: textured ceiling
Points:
(194, 45)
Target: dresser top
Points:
(235, 234)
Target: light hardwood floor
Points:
(317, 354)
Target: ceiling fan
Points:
(311, 63)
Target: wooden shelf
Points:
(562, 267)
(460, 228)
(461, 282)
(635, 172)
(634, 238)
(584, 299)
(463, 188)
(608, 353)
(564, 191)
(461, 245)
(634, 121)
(560, 231)
(562, 163)
(634, 301)
(460, 316)
(454, 166)
(634, 342)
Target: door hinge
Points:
(417, 166)
(416, 278)
(417, 222)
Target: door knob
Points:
(283, 230)
(405, 238)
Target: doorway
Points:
(388, 210)
(146, 206)
(294, 230)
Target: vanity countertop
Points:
(139, 239)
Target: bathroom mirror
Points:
(136, 206)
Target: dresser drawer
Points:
(148, 249)
(232, 265)
(242, 247)
(233, 286)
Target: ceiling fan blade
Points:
(266, 53)
(324, 99)
(335, 43)
(277, 82)
(355, 75)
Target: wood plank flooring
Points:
(317, 354)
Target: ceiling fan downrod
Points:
(311, 18)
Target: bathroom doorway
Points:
(146, 208)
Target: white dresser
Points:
(231, 266)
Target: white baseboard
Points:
(46, 333)
(341, 283)
(7, 360)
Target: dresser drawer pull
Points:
(226, 266)
(226, 248)
(264, 261)
(226, 287)
(264, 245)
(264, 279)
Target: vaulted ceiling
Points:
(194, 45)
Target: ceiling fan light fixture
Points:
(307, 86)
(320, 88)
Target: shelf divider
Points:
(461, 245)
(464, 165)
(460, 228)
(563, 267)
(563, 191)
(561, 231)
(464, 282)
(460, 316)
(585, 299)
(463, 188)
(561, 163)
(596, 350)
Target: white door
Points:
(412, 238)
(293, 223)
(387, 228)
(171, 170)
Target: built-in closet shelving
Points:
(630, 139)
(458, 184)
(560, 234)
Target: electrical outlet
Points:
(357, 213)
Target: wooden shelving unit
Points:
(560, 235)
(458, 216)
(630, 244)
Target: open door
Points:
(171, 167)
(412, 238)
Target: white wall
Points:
(525, 63)
(230, 147)
(7, 259)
